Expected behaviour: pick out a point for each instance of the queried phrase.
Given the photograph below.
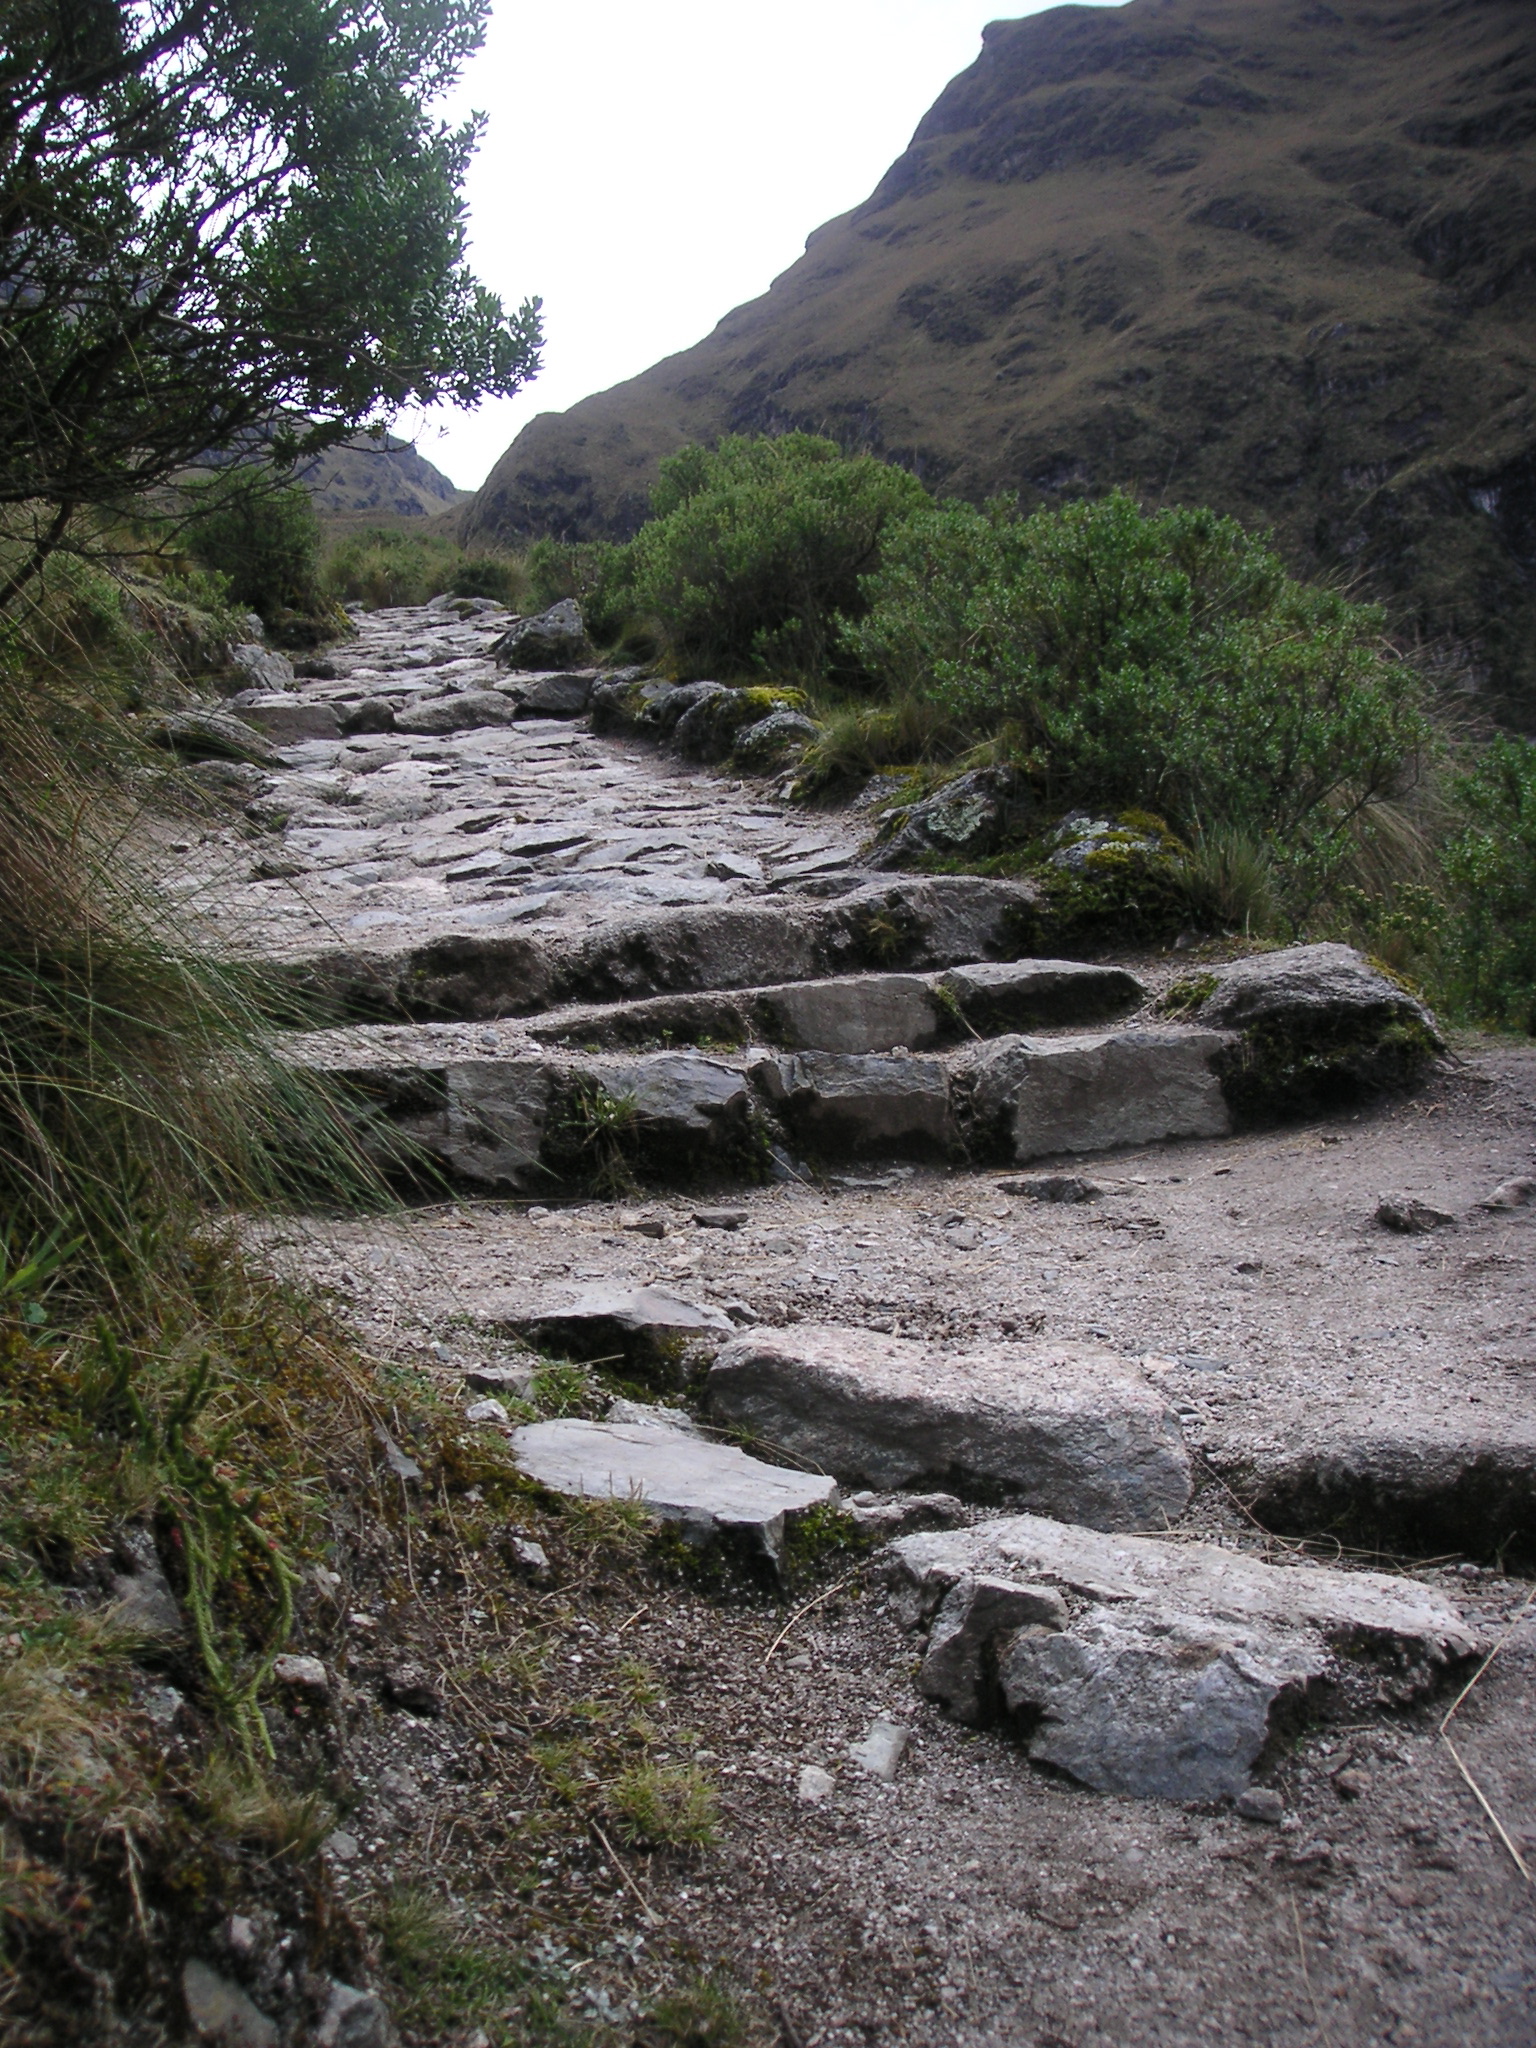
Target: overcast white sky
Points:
(647, 168)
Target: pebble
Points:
(815, 1785)
(881, 1750)
(1261, 1803)
(302, 1674)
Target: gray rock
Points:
(410, 1687)
(201, 735)
(1321, 1026)
(653, 1416)
(1030, 1097)
(720, 1219)
(286, 720)
(557, 696)
(706, 1487)
(896, 1514)
(1409, 1216)
(228, 778)
(1052, 1187)
(355, 2019)
(698, 732)
(881, 1750)
(860, 1103)
(771, 742)
(1075, 1432)
(1511, 1194)
(1030, 995)
(1446, 1478)
(301, 1674)
(495, 1121)
(814, 1785)
(555, 639)
(969, 817)
(974, 1613)
(643, 1324)
(1079, 836)
(489, 1410)
(689, 1110)
(371, 714)
(341, 1847)
(1261, 1803)
(459, 713)
(145, 1604)
(1164, 1679)
(220, 2012)
(850, 1013)
(262, 668)
(664, 710)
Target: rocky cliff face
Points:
(1276, 256)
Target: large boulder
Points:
(555, 639)
(674, 1475)
(1161, 1669)
(1028, 1098)
(966, 819)
(1074, 1433)
(1320, 1027)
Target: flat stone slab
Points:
(707, 1487)
(1156, 1668)
(1076, 1433)
(851, 1014)
(1031, 995)
(639, 1323)
(1034, 1097)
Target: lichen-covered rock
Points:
(966, 819)
(1320, 1026)
(772, 741)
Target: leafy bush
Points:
(261, 535)
(1491, 863)
(1159, 659)
(755, 547)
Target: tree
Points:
(226, 223)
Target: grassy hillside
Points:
(379, 476)
(1276, 258)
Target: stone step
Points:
(858, 1013)
(916, 925)
(529, 1118)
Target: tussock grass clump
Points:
(665, 1806)
(382, 566)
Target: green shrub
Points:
(756, 546)
(1491, 863)
(1161, 659)
(260, 534)
(595, 573)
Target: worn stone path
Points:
(1221, 1334)
(392, 839)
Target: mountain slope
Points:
(1277, 257)
(377, 473)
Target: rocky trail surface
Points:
(1181, 1467)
